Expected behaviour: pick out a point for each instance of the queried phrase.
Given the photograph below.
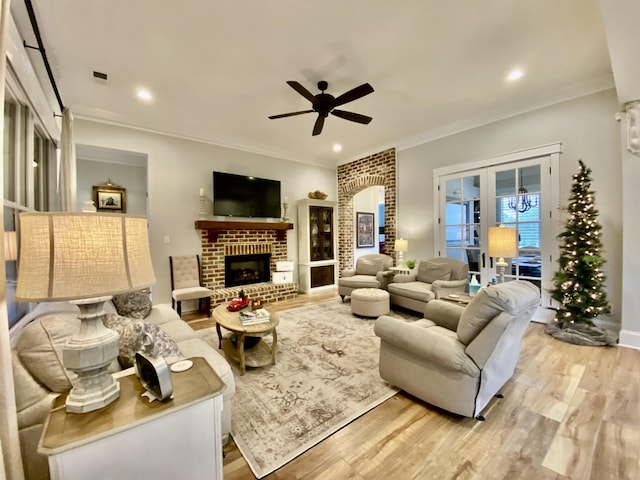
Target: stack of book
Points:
(257, 316)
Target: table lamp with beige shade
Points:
(401, 245)
(503, 243)
(85, 258)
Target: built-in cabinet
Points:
(317, 244)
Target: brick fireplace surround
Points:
(221, 238)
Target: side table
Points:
(401, 270)
(460, 299)
(131, 438)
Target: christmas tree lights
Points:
(579, 283)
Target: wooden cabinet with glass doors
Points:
(317, 243)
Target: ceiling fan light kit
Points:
(324, 104)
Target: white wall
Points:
(630, 324)
(177, 168)
(588, 130)
(133, 178)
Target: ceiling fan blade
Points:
(301, 90)
(283, 115)
(354, 117)
(353, 94)
(317, 128)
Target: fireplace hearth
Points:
(246, 269)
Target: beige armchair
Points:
(372, 271)
(458, 358)
(431, 280)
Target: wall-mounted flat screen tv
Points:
(244, 196)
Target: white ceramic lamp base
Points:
(501, 265)
(89, 354)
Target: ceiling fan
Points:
(325, 104)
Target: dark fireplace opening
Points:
(246, 269)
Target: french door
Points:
(517, 191)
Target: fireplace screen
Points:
(246, 269)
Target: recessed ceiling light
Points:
(337, 147)
(515, 74)
(144, 94)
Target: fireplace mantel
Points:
(214, 227)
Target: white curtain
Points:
(68, 178)
(9, 440)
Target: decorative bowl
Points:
(317, 195)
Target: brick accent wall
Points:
(353, 177)
(243, 242)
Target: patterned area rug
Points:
(326, 375)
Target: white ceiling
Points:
(217, 68)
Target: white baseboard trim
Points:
(543, 315)
(629, 338)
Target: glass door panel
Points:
(517, 204)
(314, 233)
(505, 182)
(462, 220)
(327, 230)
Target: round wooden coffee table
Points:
(233, 344)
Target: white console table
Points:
(132, 438)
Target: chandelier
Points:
(523, 202)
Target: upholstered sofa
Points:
(372, 271)
(458, 358)
(39, 376)
(430, 280)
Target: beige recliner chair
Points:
(372, 271)
(458, 358)
(432, 279)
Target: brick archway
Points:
(353, 177)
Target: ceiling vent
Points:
(100, 77)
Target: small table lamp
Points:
(502, 244)
(400, 246)
(86, 258)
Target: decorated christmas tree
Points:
(579, 283)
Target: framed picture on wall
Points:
(110, 198)
(365, 229)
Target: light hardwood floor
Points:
(569, 412)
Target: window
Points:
(43, 174)
(28, 176)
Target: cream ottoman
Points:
(369, 302)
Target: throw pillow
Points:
(40, 348)
(429, 272)
(137, 335)
(133, 304)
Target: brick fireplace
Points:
(222, 239)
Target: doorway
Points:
(370, 200)
(128, 170)
(517, 190)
